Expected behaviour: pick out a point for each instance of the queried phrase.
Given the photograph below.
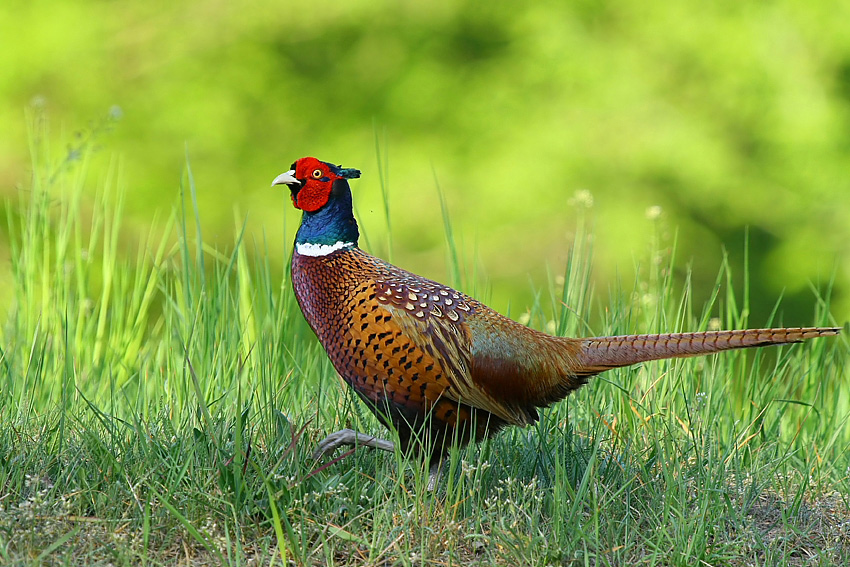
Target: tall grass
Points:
(160, 406)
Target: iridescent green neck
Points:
(334, 223)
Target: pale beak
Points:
(287, 178)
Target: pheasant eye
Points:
(317, 174)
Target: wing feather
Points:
(434, 317)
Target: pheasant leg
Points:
(434, 473)
(350, 437)
(354, 438)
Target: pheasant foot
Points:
(350, 437)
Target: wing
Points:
(436, 319)
(524, 368)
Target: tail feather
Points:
(601, 353)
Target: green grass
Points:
(159, 407)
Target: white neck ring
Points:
(310, 249)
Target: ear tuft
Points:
(348, 172)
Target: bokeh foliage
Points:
(726, 115)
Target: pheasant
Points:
(434, 364)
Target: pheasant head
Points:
(312, 181)
(321, 190)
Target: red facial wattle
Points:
(313, 196)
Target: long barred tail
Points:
(601, 353)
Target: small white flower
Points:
(467, 469)
(582, 198)
(653, 212)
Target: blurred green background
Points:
(717, 115)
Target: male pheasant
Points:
(432, 363)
